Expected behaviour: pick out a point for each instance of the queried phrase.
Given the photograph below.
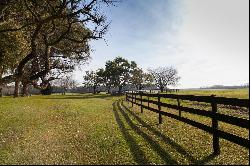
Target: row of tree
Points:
(121, 72)
(40, 40)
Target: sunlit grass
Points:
(99, 129)
(58, 130)
(196, 142)
(233, 93)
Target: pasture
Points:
(102, 129)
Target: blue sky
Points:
(206, 40)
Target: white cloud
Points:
(217, 32)
(206, 40)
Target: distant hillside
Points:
(227, 87)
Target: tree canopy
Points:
(140, 78)
(117, 74)
(164, 77)
(92, 79)
(54, 35)
(119, 71)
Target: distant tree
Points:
(92, 79)
(104, 78)
(147, 80)
(246, 85)
(164, 77)
(137, 78)
(66, 83)
(119, 72)
(140, 79)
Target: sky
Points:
(207, 41)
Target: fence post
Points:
(148, 101)
(135, 98)
(159, 108)
(216, 145)
(179, 104)
(141, 104)
(132, 99)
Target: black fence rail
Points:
(139, 98)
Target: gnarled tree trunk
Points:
(1, 88)
(16, 91)
(1, 85)
(25, 89)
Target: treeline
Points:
(120, 72)
(226, 87)
(41, 40)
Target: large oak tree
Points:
(119, 72)
(53, 29)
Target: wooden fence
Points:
(139, 98)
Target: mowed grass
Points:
(101, 129)
(234, 93)
(71, 129)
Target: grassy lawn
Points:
(239, 93)
(101, 129)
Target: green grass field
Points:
(239, 93)
(101, 129)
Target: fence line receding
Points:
(139, 98)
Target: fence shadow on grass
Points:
(166, 139)
(206, 159)
(138, 154)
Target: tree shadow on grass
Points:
(167, 140)
(166, 157)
